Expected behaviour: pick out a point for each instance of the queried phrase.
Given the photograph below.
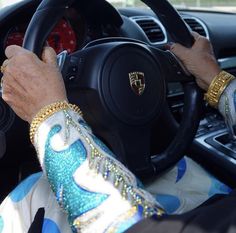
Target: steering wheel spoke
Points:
(173, 68)
(135, 148)
(178, 71)
(75, 68)
(71, 67)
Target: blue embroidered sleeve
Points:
(98, 193)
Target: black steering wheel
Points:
(119, 84)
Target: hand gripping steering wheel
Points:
(119, 84)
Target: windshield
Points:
(4, 3)
(215, 5)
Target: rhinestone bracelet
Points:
(216, 88)
(48, 111)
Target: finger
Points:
(14, 96)
(15, 86)
(12, 76)
(49, 56)
(3, 66)
(179, 50)
(5, 63)
(6, 93)
(12, 50)
(195, 35)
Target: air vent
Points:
(153, 29)
(197, 26)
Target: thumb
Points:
(49, 56)
(179, 50)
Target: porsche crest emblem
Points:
(137, 82)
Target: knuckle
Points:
(31, 55)
(23, 57)
(7, 70)
(13, 47)
(7, 89)
(204, 40)
(14, 60)
(8, 73)
(6, 97)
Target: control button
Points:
(73, 69)
(71, 77)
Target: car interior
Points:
(84, 30)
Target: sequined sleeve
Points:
(95, 190)
(227, 105)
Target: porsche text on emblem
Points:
(137, 82)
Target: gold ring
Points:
(3, 66)
(2, 69)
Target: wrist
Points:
(47, 112)
(211, 76)
(39, 105)
(217, 87)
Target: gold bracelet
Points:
(216, 88)
(48, 111)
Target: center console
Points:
(212, 146)
(214, 149)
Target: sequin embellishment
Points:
(72, 158)
(76, 200)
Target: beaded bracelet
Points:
(216, 88)
(48, 111)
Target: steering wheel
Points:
(120, 85)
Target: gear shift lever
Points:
(231, 132)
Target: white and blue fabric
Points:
(84, 189)
(185, 187)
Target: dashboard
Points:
(83, 23)
(71, 33)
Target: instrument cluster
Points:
(62, 37)
(71, 33)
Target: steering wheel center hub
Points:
(132, 85)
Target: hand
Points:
(199, 60)
(29, 83)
